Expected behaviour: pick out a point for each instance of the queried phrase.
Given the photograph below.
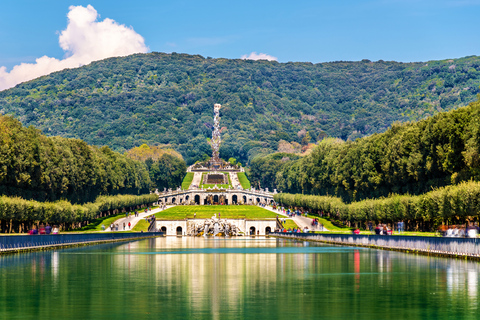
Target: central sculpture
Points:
(216, 163)
(214, 227)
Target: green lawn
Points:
(289, 224)
(204, 212)
(187, 181)
(242, 178)
(141, 225)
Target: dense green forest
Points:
(410, 158)
(36, 167)
(159, 98)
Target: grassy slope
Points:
(290, 224)
(187, 180)
(204, 212)
(243, 180)
(141, 225)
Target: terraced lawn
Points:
(204, 212)
(187, 180)
(242, 178)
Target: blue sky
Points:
(314, 31)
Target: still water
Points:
(243, 278)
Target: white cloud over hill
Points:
(259, 56)
(84, 40)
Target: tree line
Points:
(458, 204)
(36, 167)
(19, 215)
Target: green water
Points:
(196, 278)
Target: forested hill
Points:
(168, 99)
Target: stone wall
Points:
(183, 227)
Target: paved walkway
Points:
(234, 179)
(301, 221)
(197, 178)
(133, 220)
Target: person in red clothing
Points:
(129, 224)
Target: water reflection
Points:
(235, 278)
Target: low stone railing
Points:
(466, 247)
(35, 242)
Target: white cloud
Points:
(84, 40)
(259, 56)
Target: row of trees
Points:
(457, 204)
(33, 166)
(19, 215)
(410, 158)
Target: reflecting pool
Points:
(241, 278)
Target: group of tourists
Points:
(383, 229)
(42, 229)
(294, 230)
(459, 231)
(315, 222)
(114, 227)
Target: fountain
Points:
(214, 227)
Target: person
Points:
(129, 224)
(42, 229)
(356, 231)
(124, 226)
(449, 232)
(195, 215)
(378, 230)
(111, 227)
(48, 229)
(103, 227)
(472, 231)
(55, 230)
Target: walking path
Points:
(133, 220)
(301, 221)
(234, 179)
(197, 178)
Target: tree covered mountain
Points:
(159, 98)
